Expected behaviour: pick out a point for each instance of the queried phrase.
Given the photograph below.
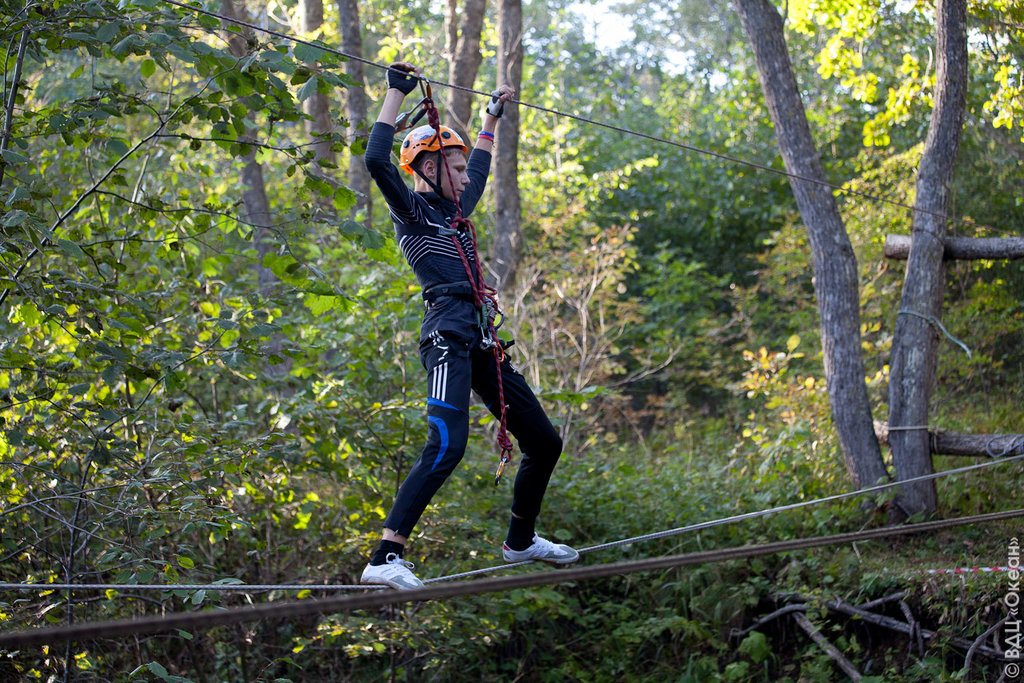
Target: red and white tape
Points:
(968, 570)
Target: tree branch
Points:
(96, 185)
(5, 139)
(810, 629)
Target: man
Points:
(455, 340)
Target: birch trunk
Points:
(464, 62)
(355, 105)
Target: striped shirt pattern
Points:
(422, 219)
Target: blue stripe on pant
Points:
(454, 369)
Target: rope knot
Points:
(433, 116)
(461, 224)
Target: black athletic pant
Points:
(453, 369)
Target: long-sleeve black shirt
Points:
(417, 218)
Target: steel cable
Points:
(582, 119)
(365, 601)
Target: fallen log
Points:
(788, 609)
(962, 248)
(911, 628)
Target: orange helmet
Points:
(425, 139)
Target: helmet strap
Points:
(435, 184)
(437, 164)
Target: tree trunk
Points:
(464, 61)
(256, 208)
(451, 29)
(355, 105)
(317, 106)
(508, 242)
(962, 248)
(835, 265)
(915, 340)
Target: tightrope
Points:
(238, 587)
(378, 599)
(582, 119)
(254, 588)
(757, 513)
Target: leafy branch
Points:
(106, 176)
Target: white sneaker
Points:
(395, 572)
(542, 550)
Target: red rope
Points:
(484, 296)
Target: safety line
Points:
(938, 323)
(593, 122)
(332, 605)
(244, 587)
(754, 515)
(169, 587)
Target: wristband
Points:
(485, 134)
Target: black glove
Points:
(402, 80)
(496, 107)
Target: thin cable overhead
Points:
(576, 117)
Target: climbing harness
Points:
(484, 297)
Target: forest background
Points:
(208, 368)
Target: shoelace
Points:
(546, 546)
(393, 558)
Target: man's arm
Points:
(492, 113)
(389, 111)
(378, 148)
(480, 159)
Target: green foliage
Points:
(191, 394)
(858, 34)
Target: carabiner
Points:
(501, 469)
(403, 122)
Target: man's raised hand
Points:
(402, 76)
(496, 105)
